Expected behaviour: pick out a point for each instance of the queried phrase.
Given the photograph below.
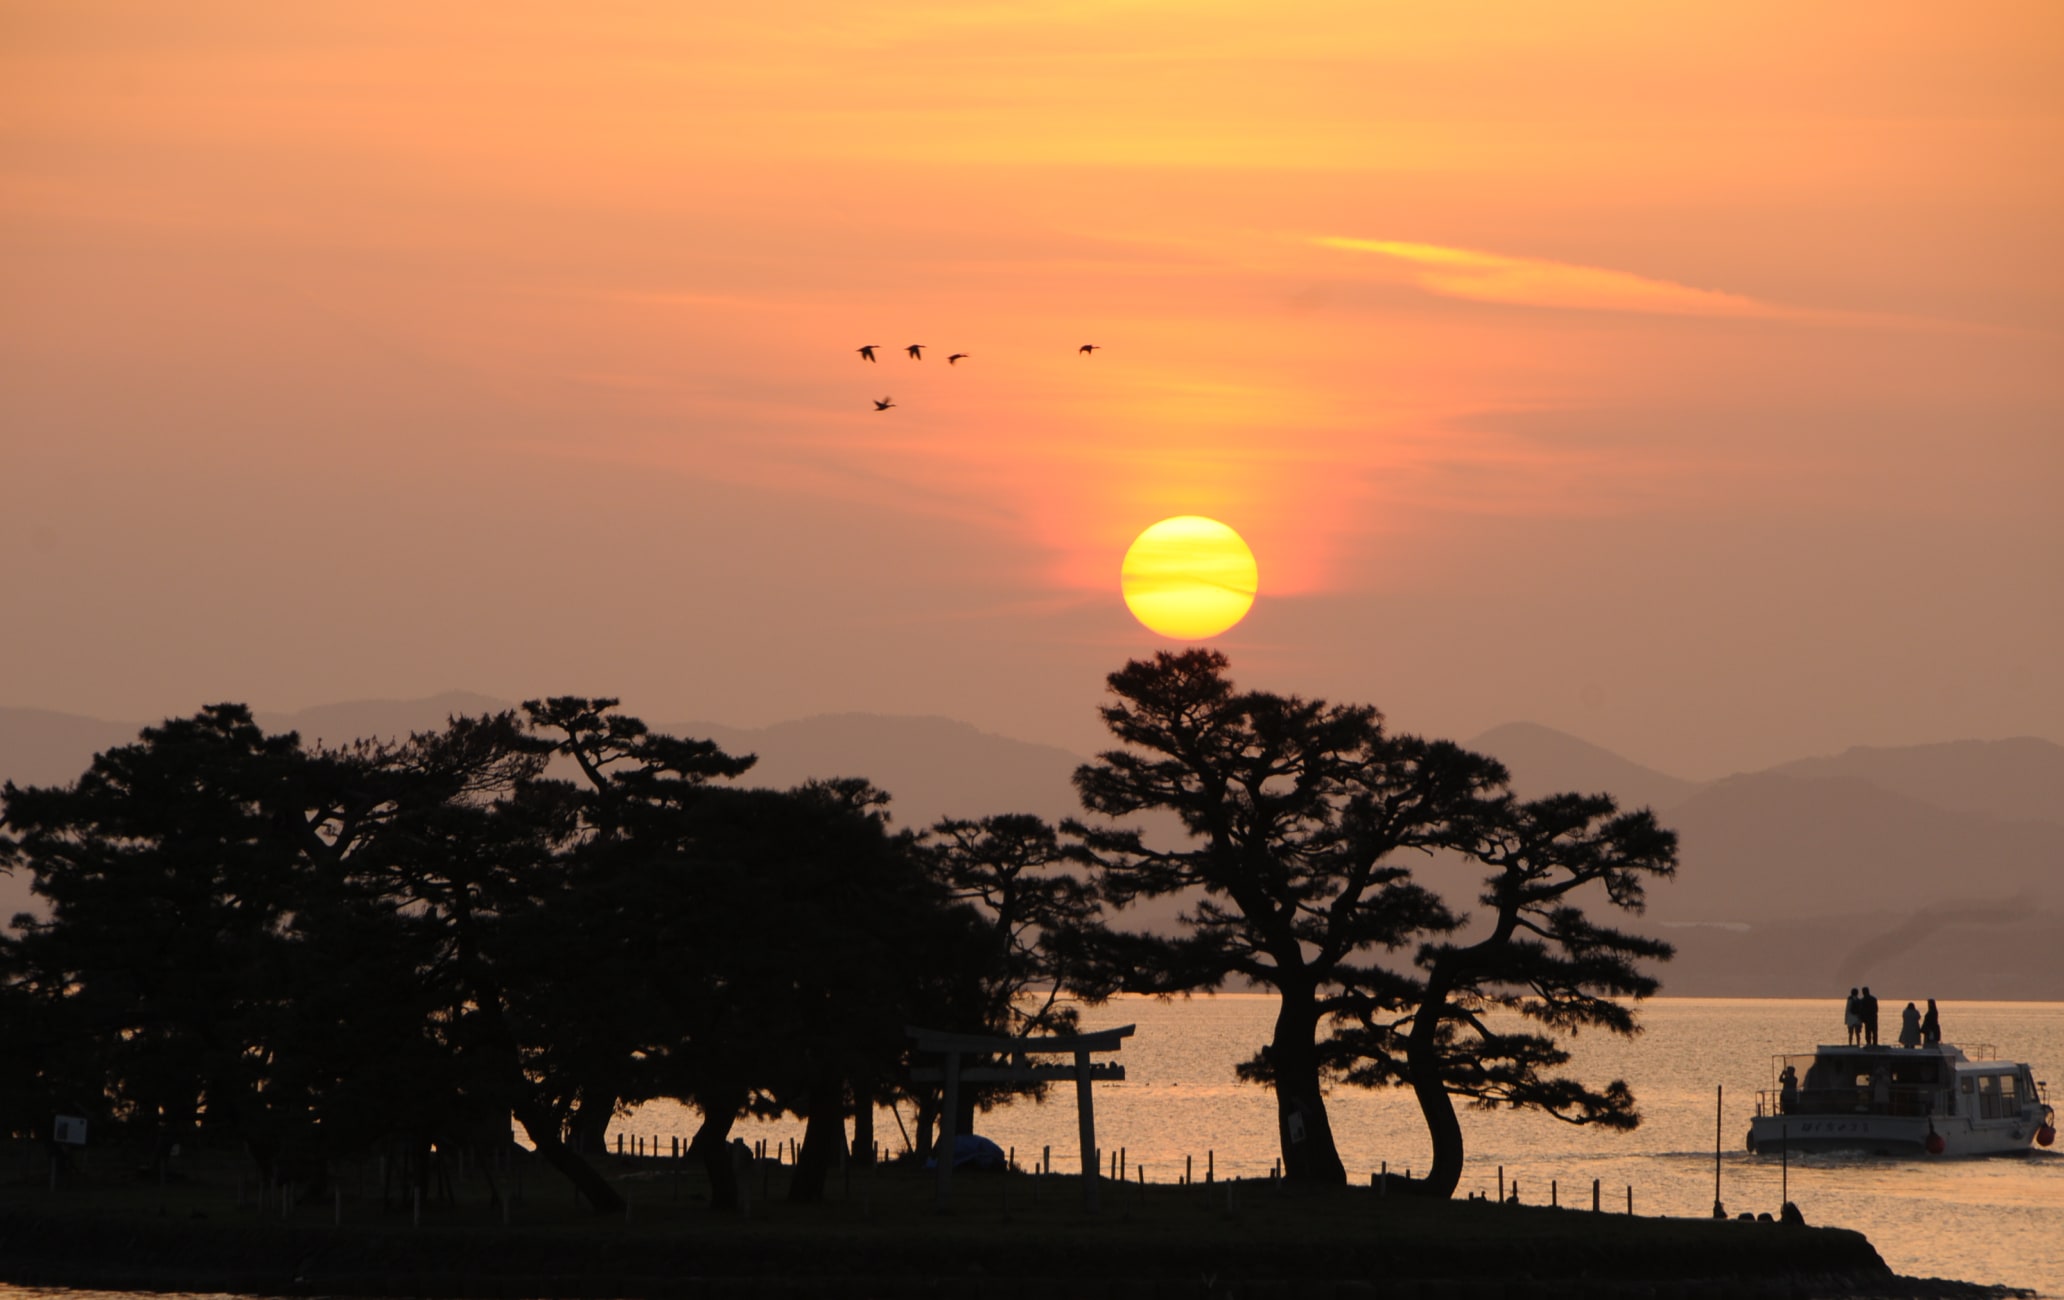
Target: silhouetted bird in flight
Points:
(868, 351)
(916, 351)
(883, 405)
(955, 357)
(1088, 348)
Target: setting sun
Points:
(1189, 577)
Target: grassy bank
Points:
(882, 1233)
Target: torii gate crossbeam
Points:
(1019, 1070)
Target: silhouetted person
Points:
(1910, 1026)
(1931, 1026)
(883, 405)
(868, 351)
(1868, 1004)
(1788, 1090)
(1852, 1017)
(916, 351)
(955, 357)
(1088, 348)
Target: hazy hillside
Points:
(2022, 778)
(1545, 761)
(1966, 953)
(1765, 846)
(38, 747)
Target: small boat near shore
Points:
(1902, 1101)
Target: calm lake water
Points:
(1995, 1220)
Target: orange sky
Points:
(1687, 381)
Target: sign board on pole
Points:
(70, 1130)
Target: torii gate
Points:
(1020, 1071)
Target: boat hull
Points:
(1891, 1135)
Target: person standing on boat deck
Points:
(1931, 1026)
(1788, 1091)
(1910, 1026)
(1868, 1004)
(1852, 1017)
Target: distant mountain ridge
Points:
(2021, 778)
(1545, 761)
(1958, 839)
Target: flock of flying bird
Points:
(916, 353)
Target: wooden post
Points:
(1630, 1198)
(1210, 1165)
(1186, 1170)
(1552, 1193)
(949, 1122)
(1719, 1211)
(1594, 1196)
(1085, 1111)
(1501, 1184)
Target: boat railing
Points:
(1901, 1099)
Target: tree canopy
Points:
(1303, 824)
(547, 915)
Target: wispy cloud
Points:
(1538, 282)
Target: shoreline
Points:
(1247, 1239)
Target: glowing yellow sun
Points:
(1189, 577)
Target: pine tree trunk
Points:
(587, 1132)
(712, 1144)
(1309, 1154)
(926, 1124)
(1443, 1127)
(824, 1137)
(863, 1123)
(543, 1130)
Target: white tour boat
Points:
(1929, 1101)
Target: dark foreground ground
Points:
(882, 1234)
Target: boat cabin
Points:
(1927, 1081)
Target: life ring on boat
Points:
(1936, 1146)
(1752, 1142)
(2045, 1135)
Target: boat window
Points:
(1989, 1104)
